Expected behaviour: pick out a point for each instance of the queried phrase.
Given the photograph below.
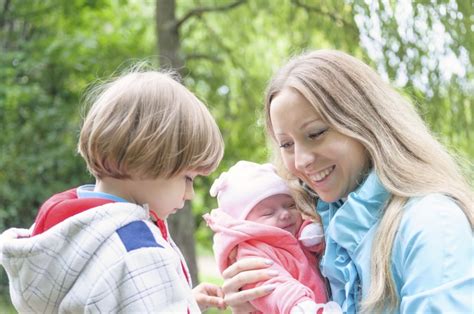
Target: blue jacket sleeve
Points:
(433, 258)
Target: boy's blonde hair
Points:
(145, 125)
(353, 100)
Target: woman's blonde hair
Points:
(353, 100)
(145, 124)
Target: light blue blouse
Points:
(432, 255)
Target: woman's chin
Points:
(328, 198)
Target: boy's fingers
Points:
(220, 293)
(216, 302)
(206, 301)
(209, 295)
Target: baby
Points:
(257, 216)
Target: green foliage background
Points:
(52, 50)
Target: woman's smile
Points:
(330, 162)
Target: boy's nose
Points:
(189, 193)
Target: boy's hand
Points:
(209, 295)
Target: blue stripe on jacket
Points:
(136, 235)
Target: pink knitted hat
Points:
(244, 185)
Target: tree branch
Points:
(3, 18)
(203, 56)
(336, 18)
(219, 41)
(201, 10)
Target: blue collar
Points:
(87, 191)
(348, 222)
(346, 225)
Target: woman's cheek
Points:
(290, 165)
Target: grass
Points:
(216, 311)
(6, 305)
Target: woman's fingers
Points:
(241, 298)
(244, 308)
(245, 264)
(234, 284)
(243, 272)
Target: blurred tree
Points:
(226, 51)
(182, 224)
(49, 52)
(425, 48)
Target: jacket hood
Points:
(48, 264)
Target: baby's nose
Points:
(284, 214)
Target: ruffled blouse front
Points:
(350, 227)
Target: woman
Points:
(397, 212)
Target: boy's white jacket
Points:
(101, 260)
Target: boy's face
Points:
(165, 196)
(277, 211)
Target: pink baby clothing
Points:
(298, 277)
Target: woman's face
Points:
(331, 163)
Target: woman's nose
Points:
(304, 157)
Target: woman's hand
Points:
(209, 295)
(243, 272)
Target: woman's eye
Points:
(189, 179)
(315, 135)
(285, 145)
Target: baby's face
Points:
(277, 211)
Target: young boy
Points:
(257, 216)
(106, 247)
